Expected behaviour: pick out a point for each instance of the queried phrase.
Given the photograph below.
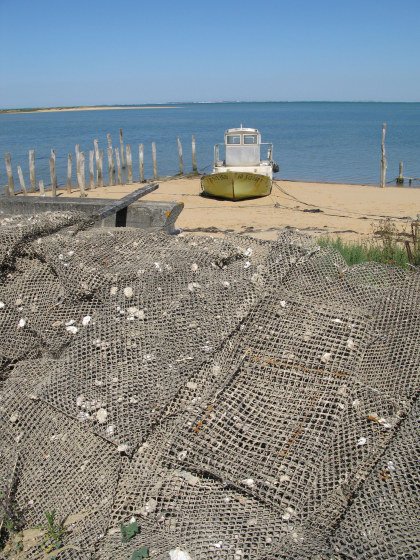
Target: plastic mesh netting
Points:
(237, 398)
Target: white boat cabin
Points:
(242, 151)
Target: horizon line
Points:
(212, 102)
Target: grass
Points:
(387, 246)
(355, 253)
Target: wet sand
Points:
(348, 211)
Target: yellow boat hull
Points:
(236, 185)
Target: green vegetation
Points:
(54, 533)
(388, 246)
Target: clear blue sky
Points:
(61, 52)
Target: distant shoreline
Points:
(83, 108)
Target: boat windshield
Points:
(250, 138)
(233, 139)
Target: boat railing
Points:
(220, 152)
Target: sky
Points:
(90, 52)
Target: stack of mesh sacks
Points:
(240, 399)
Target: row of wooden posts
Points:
(123, 160)
(384, 165)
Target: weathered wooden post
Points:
(141, 162)
(69, 166)
(100, 169)
(21, 180)
(41, 187)
(96, 148)
(81, 174)
(181, 161)
(400, 178)
(122, 148)
(194, 157)
(154, 160)
(110, 166)
(53, 174)
(118, 160)
(32, 174)
(91, 170)
(10, 191)
(383, 157)
(129, 161)
(109, 139)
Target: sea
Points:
(313, 141)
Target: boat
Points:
(242, 173)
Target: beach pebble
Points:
(226, 284)
(128, 292)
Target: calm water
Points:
(312, 141)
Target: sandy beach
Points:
(348, 211)
(95, 108)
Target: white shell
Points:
(2, 304)
(361, 441)
(178, 554)
(101, 415)
(326, 357)
(22, 323)
(350, 344)
(128, 292)
(71, 329)
(122, 448)
(194, 267)
(86, 320)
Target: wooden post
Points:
(81, 174)
(141, 162)
(97, 156)
(10, 191)
(91, 170)
(77, 151)
(32, 174)
(129, 162)
(100, 169)
(21, 180)
(400, 178)
(69, 166)
(109, 139)
(155, 171)
(53, 174)
(118, 160)
(181, 161)
(110, 166)
(122, 148)
(194, 157)
(41, 188)
(383, 157)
